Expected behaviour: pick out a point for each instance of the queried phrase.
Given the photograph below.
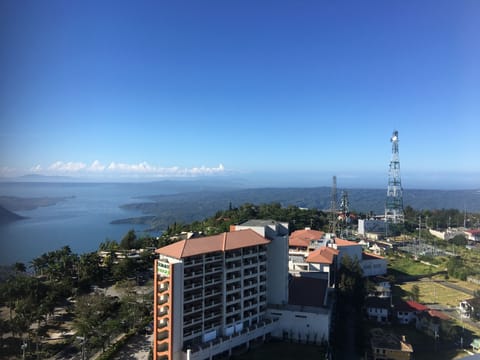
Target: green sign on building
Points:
(163, 269)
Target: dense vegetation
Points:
(296, 217)
(58, 277)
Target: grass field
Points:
(407, 266)
(435, 293)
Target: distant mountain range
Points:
(193, 206)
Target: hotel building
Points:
(211, 293)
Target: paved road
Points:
(455, 287)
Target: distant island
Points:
(14, 203)
(10, 204)
(7, 216)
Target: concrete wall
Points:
(176, 310)
(374, 267)
(301, 325)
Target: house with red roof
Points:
(301, 240)
(324, 259)
(472, 234)
(406, 311)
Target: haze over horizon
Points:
(274, 93)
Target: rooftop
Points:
(343, 242)
(386, 340)
(307, 291)
(303, 237)
(221, 242)
(410, 305)
(255, 223)
(323, 255)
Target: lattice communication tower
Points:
(394, 202)
(333, 206)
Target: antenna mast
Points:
(333, 206)
(394, 202)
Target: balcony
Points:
(249, 283)
(250, 272)
(191, 320)
(234, 298)
(231, 276)
(249, 293)
(192, 273)
(162, 311)
(191, 309)
(162, 299)
(162, 335)
(213, 258)
(162, 347)
(192, 299)
(211, 280)
(212, 291)
(189, 285)
(234, 264)
(250, 261)
(232, 309)
(212, 315)
(162, 324)
(193, 260)
(163, 286)
(212, 303)
(211, 324)
(233, 254)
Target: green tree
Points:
(415, 293)
(94, 314)
(20, 267)
(459, 240)
(128, 241)
(352, 286)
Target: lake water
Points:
(81, 222)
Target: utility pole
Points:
(23, 347)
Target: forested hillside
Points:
(195, 206)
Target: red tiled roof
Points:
(438, 314)
(303, 237)
(221, 242)
(343, 242)
(323, 255)
(410, 305)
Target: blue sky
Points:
(291, 90)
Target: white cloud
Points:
(37, 168)
(96, 166)
(142, 169)
(6, 171)
(67, 166)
